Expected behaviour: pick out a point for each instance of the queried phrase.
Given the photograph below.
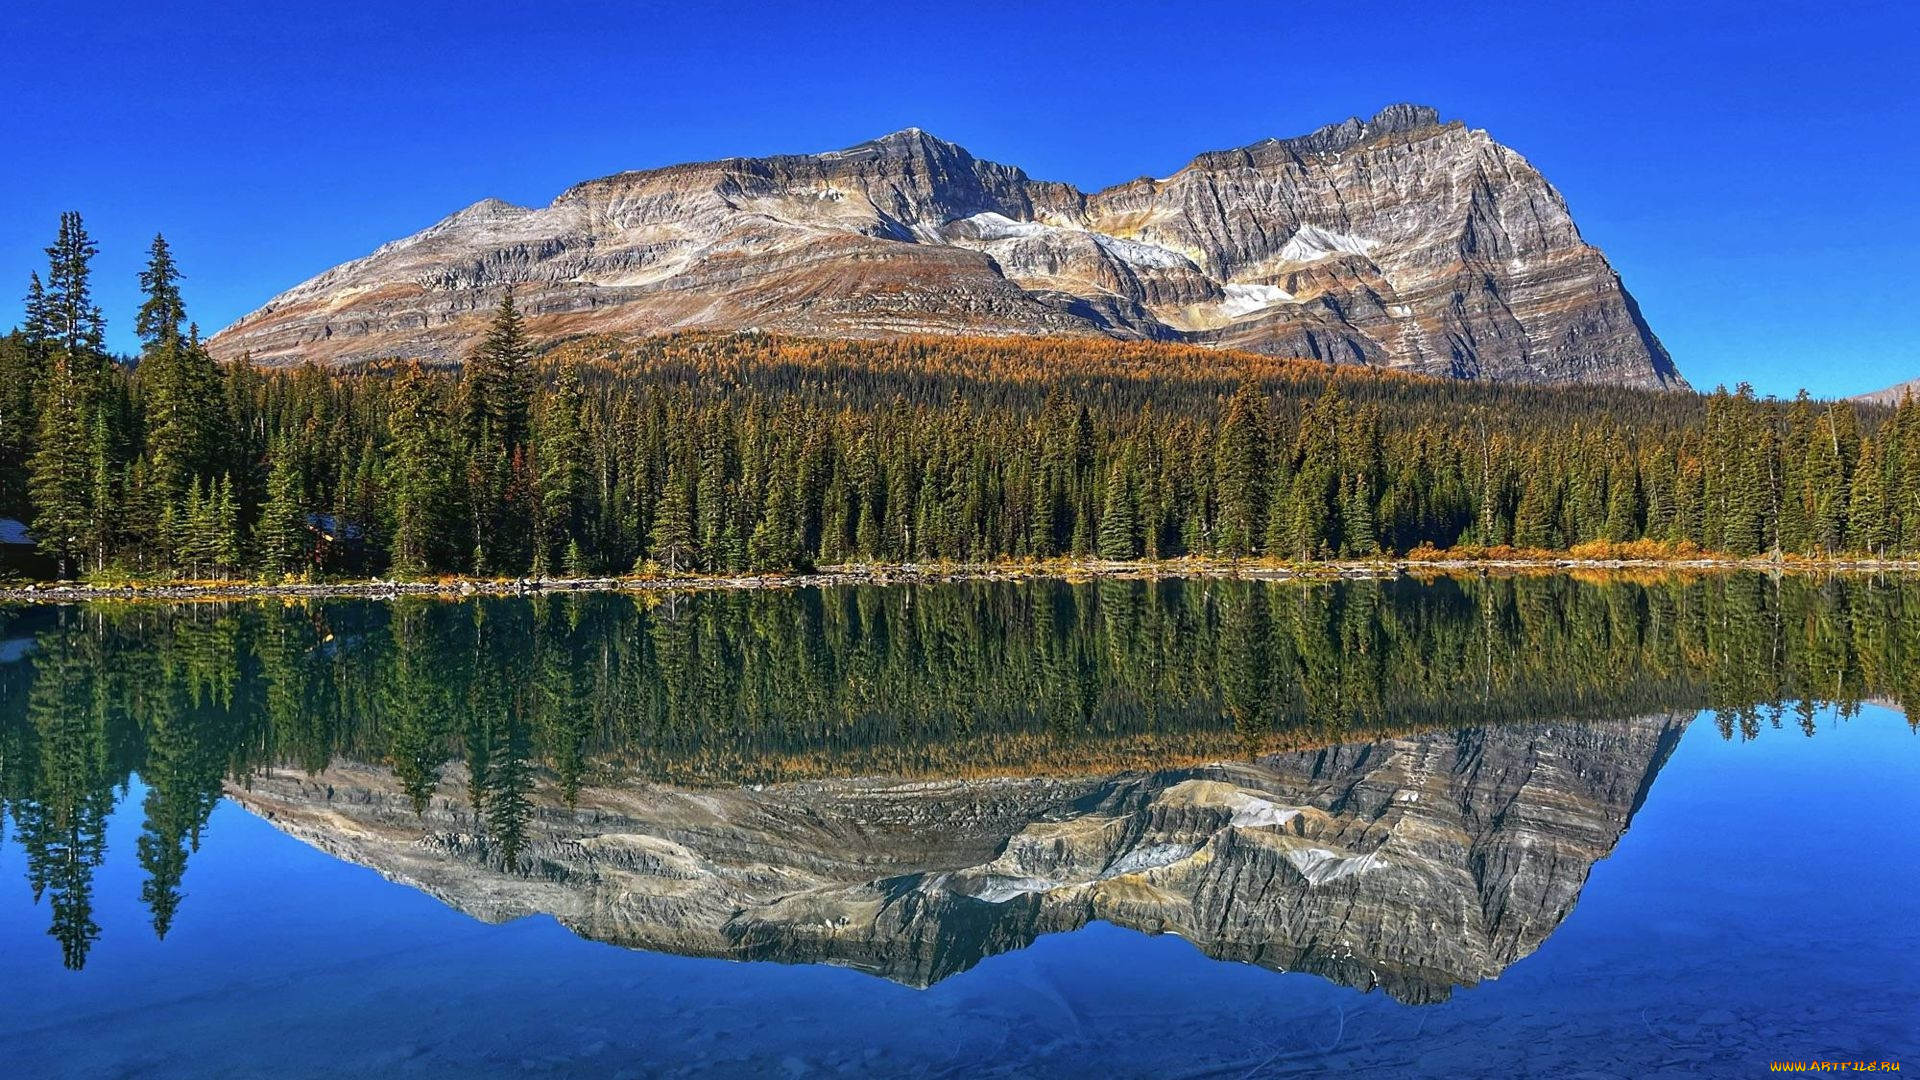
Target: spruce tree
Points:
(105, 496)
(37, 329)
(419, 482)
(189, 527)
(500, 396)
(496, 405)
(1081, 483)
(1869, 525)
(24, 362)
(1904, 483)
(1794, 529)
(869, 479)
(1536, 518)
(1623, 496)
(1240, 473)
(73, 322)
(772, 545)
(223, 528)
(20, 376)
(1359, 535)
(280, 537)
(1119, 529)
(183, 390)
(563, 479)
(61, 483)
(162, 313)
(672, 542)
(1826, 480)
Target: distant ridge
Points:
(1401, 241)
(1892, 395)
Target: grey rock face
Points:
(1400, 241)
(1414, 865)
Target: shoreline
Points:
(929, 574)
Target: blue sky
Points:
(1751, 169)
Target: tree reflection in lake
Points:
(498, 718)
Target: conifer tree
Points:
(772, 545)
(223, 527)
(869, 479)
(672, 542)
(185, 399)
(73, 324)
(500, 380)
(420, 478)
(1623, 496)
(1794, 529)
(1081, 483)
(280, 536)
(61, 483)
(162, 313)
(1240, 473)
(1904, 482)
(191, 527)
(562, 483)
(509, 780)
(497, 407)
(37, 329)
(21, 372)
(1118, 526)
(1358, 533)
(105, 495)
(1826, 479)
(1870, 527)
(1536, 518)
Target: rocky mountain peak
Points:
(1392, 120)
(1395, 241)
(486, 210)
(905, 143)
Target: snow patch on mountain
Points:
(990, 226)
(1000, 889)
(1135, 253)
(1320, 866)
(1147, 858)
(1247, 299)
(1313, 243)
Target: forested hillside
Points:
(726, 453)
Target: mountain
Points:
(1400, 241)
(1414, 864)
(1892, 395)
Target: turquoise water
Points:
(1723, 892)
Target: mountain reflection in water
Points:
(1414, 864)
(1390, 784)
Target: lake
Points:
(1541, 826)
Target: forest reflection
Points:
(529, 701)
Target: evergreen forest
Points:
(724, 454)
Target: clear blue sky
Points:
(1750, 168)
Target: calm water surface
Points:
(1460, 828)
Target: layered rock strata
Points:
(1413, 865)
(1400, 241)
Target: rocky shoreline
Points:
(927, 574)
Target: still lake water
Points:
(1543, 827)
